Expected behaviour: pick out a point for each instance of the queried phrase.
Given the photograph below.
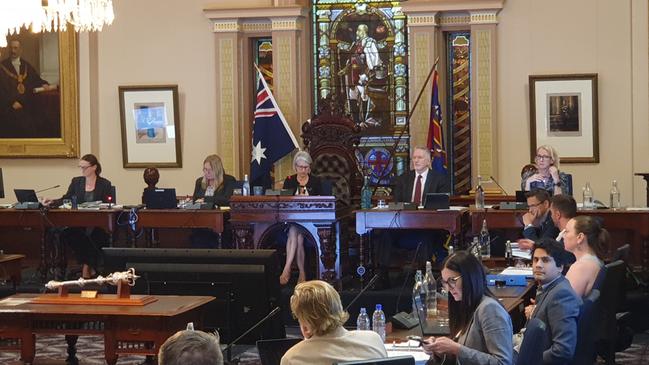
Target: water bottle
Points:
(615, 196)
(366, 194)
(587, 197)
(418, 293)
(479, 194)
(509, 257)
(451, 250)
(475, 247)
(378, 321)
(431, 291)
(485, 241)
(363, 320)
(245, 189)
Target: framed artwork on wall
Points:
(39, 111)
(150, 126)
(563, 114)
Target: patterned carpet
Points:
(51, 350)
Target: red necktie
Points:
(417, 198)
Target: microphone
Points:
(369, 284)
(50, 188)
(259, 323)
(496, 182)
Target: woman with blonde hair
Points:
(301, 183)
(316, 306)
(547, 175)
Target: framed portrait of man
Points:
(39, 114)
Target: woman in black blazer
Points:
(90, 186)
(217, 184)
(301, 183)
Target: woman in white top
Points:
(588, 241)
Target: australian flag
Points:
(435, 135)
(272, 138)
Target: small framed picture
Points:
(150, 126)
(563, 114)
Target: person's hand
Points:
(529, 218)
(16, 105)
(530, 309)
(444, 345)
(554, 172)
(46, 202)
(427, 345)
(525, 244)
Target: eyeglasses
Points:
(302, 167)
(542, 157)
(84, 168)
(451, 283)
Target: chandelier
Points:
(53, 15)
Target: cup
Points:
(258, 190)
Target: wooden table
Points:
(627, 225)
(139, 330)
(179, 218)
(10, 267)
(42, 219)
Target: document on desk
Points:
(525, 271)
(411, 348)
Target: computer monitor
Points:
(434, 201)
(160, 199)
(396, 360)
(25, 195)
(244, 282)
(2, 186)
(272, 351)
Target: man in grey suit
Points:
(557, 304)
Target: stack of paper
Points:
(408, 348)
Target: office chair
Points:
(585, 349)
(533, 344)
(612, 298)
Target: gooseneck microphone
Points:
(50, 188)
(259, 323)
(499, 186)
(369, 284)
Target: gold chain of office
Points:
(20, 78)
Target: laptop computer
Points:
(432, 327)
(435, 201)
(26, 195)
(271, 351)
(160, 199)
(392, 360)
(520, 196)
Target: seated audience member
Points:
(482, 327)
(588, 241)
(301, 183)
(316, 306)
(191, 348)
(219, 186)
(562, 209)
(151, 177)
(547, 175)
(556, 304)
(412, 187)
(86, 242)
(538, 220)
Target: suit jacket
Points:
(546, 230)
(435, 183)
(221, 196)
(339, 345)
(78, 188)
(313, 186)
(489, 337)
(558, 307)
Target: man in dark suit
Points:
(556, 304)
(412, 187)
(538, 220)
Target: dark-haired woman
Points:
(588, 241)
(90, 186)
(481, 327)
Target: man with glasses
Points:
(538, 220)
(556, 304)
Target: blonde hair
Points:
(217, 167)
(317, 304)
(553, 153)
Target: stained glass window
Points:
(361, 62)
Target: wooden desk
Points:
(10, 267)
(252, 218)
(179, 218)
(448, 220)
(627, 226)
(57, 218)
(139, 330)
